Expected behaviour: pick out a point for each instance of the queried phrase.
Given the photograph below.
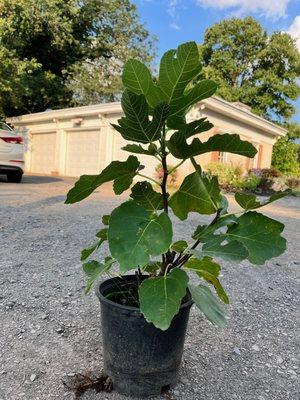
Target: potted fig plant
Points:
(145, 312)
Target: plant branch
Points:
(150, 179)
(158, 158)
(176, 166)
(181, 260)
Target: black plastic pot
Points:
(140, 359)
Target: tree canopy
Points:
(53, 53)
(252, 67)
(285, 157)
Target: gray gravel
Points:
(50, 329)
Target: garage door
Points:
(43, 153)
(84, 155)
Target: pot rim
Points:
(104, 300)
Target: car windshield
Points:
(5, 127)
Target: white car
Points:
(11, 154)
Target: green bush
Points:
(227, 174)
(231, 177)
(285, 157)
(248, 182)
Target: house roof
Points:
(236, 111)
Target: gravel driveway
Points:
(50, 329)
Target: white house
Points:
(80, 140)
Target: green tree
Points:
(285, 157)
(293, 130)
(48, 48)
(252, 67)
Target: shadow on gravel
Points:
(46, 202)
(39, 179)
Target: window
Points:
(222, 157)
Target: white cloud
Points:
(172, 7)
(175, 26)
(294, 30)
(269, 8)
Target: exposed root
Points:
(167, 395)
(80, 383)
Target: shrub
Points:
(285, 157)
(227, 174)
(293, 183)
(266, 176)
(248, 182)
(173, 175)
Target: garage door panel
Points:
(84, 155)
(43, 153)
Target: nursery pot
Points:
(140, 359)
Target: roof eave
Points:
(224, 107)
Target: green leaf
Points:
(137, 78)
(208, 304)
(179, 246)
(121, 172)
(102, 234)
(93, 270)
(224, 206)
(204, 264)
(177, 70)
(202, 90)
(137, 149)
(160, 298)
(209, 271)
(135, 233)
(179, 147)
(136, 125)
(233, 251)
(195, 127)
(105, 219)
(206, 233)
(196, 193)
(250, 201)
(143, 194)
(259, 234)
(85, 253)
(229, 143)
(152, 267)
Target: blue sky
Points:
(177, 21)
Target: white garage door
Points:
(43, 153)
(84, 155)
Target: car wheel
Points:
(14, 177)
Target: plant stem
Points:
(196, 166)
(166, 258)
(166, 173)
(150, 179)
